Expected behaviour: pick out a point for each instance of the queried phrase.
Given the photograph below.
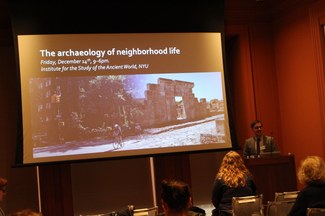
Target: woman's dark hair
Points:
(176, 195)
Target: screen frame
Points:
(30, 19)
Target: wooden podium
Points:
(275, 173)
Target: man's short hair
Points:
(3, 184)
(176, 194)
(255, 122)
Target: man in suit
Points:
(259, 144)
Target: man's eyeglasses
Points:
(258, 127)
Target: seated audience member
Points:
(26, 212)
(126, 211)
(232, 180)
(311, 174)
(175, 197)
(3, 184)
(259, 144)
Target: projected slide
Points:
(94, 96)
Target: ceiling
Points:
(267, 9)
(6, 38)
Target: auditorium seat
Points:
(286, 196)
(248, 205)
(153, 211)
(315, 211)
(277, 208)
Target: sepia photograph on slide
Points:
(114, 113)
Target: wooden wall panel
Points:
(298, 86)
(240, 80)
(264, 79)
(55, 189)
(317, 26)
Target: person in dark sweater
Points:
(311, 174)
(232, 180)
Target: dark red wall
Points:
(278, 72)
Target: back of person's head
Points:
(312, 170)
(233, 170)
(3, 184)
(175, 196)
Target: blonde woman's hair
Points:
(233, 170)
(312, 170)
